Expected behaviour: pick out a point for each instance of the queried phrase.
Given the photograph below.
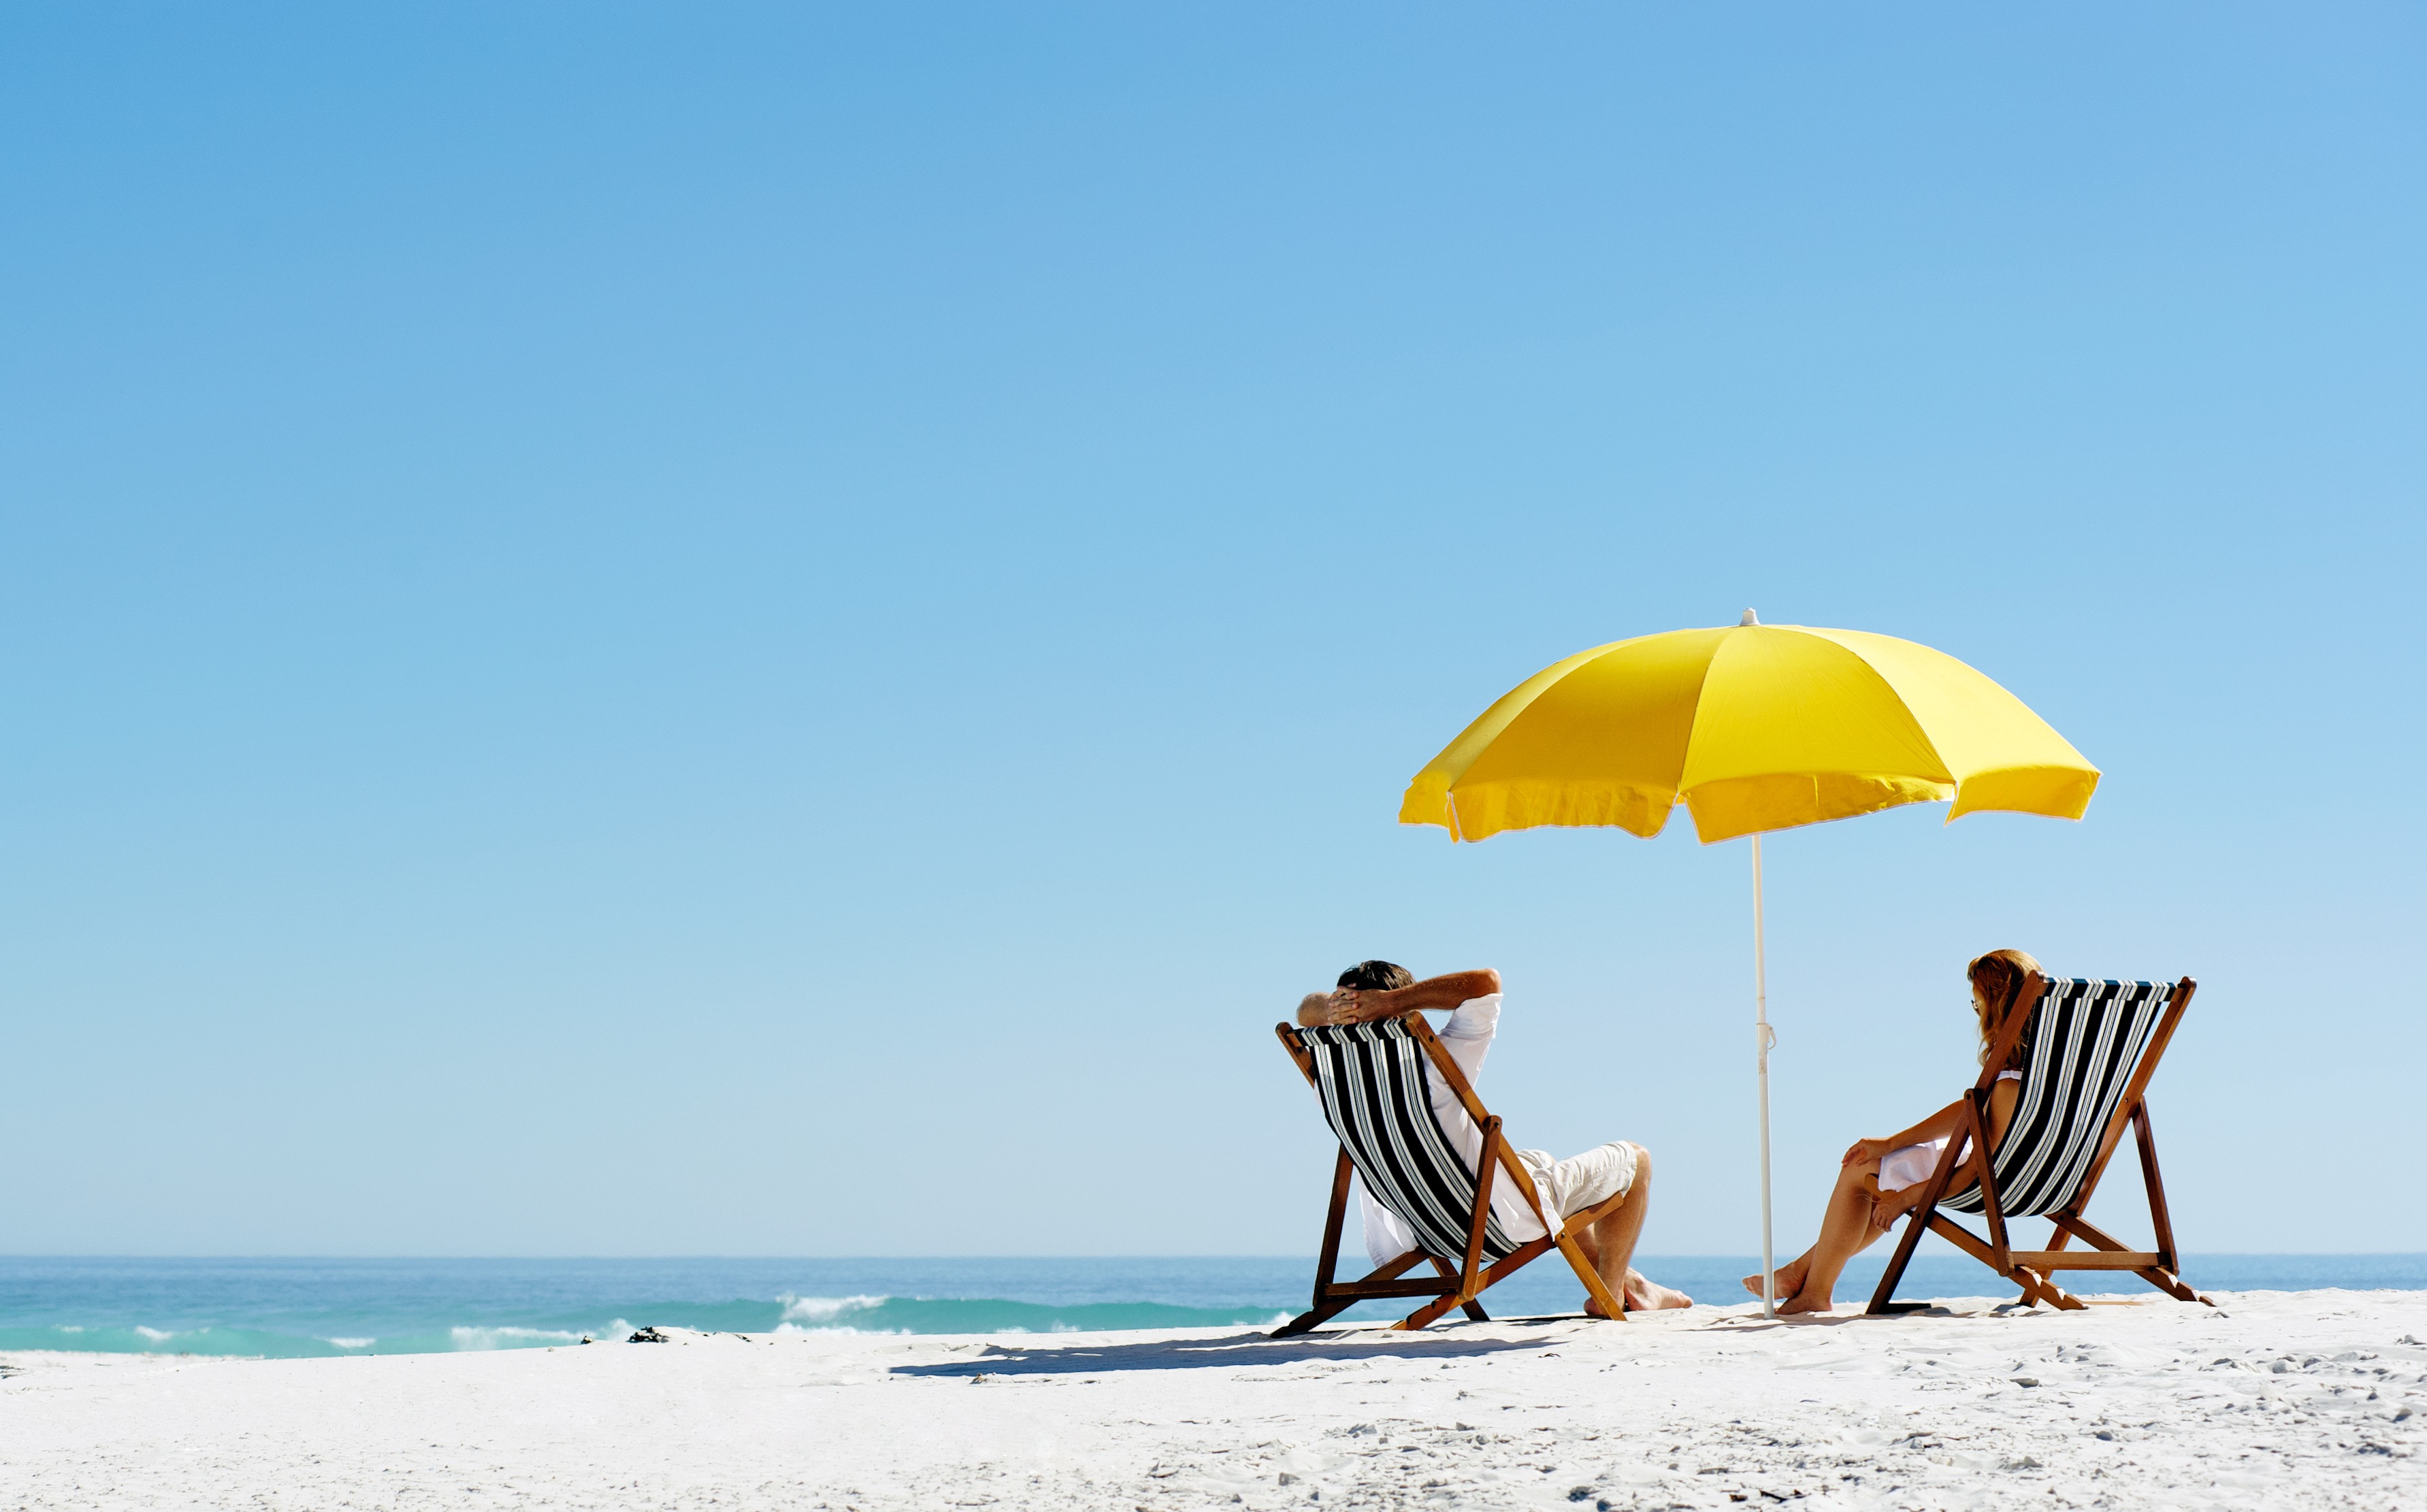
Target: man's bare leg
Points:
(1610, 1243)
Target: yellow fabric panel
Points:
(2060, 793)
(1428, 797)
(1479, 810)
(1596, 739)
(1781, 702)
(1622, 717)
(1977, 726)
(1741, 805)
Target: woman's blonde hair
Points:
(1997, 983)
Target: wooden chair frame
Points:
(1453, 1286)
(2035, 1269)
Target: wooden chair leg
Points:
(1565, 1242)
(1467, 1281)
(1333, 1217)
(1991, 1208)
(2071, 1222)
(2172, 1285)
(1480, 1225)
(1431, 1313)
(1312, 1318)
(1614, 1308)
(1472, 1307)
(1331, 1303)
(2035, 1285)
(1426, 1316)
(1883, 1302)
(2160, 1219)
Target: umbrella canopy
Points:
(1753, 727)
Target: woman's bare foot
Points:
(1801, 1303)
(1790, 1279)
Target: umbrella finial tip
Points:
(1750, 618)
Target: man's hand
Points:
(1353, 1006)
(1345, 1006)
(1350, 1006)
(1318, 1010)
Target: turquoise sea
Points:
(287, 1307)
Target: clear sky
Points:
(787, 630)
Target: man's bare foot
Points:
(1639, 1296)
(1650, 1296)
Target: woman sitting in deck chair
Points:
(1881, 1179)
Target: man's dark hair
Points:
(1377, 976)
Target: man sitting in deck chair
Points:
(1378, 989)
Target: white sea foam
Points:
(155, 1335)
(504, 1338)
(353, 1343)
(826, 1310)
(827, 1315)
(794, 1331)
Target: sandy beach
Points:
(2273, 1399)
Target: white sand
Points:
(2277, 1400)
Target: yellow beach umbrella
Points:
(1752, 727)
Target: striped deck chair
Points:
(1373, 1080)
(2092, 1048)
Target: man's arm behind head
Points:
(1348, 1005)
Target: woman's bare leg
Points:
(1855, 1208)
(1789, 1276)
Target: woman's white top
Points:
(1913, 1164)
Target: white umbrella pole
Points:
(1761, 1056)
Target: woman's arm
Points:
(1942, 1122)
(1351, 1006)
(2002, 1098)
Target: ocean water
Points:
(290, 1308)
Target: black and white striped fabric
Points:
(1377, 1090)
(2084, 1043)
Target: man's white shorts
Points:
(1586, 1180)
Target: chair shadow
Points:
(1252, 1348)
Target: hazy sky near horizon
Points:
(787, 630)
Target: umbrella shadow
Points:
(1224, 1351)
(1755, 1323)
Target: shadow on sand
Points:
(1041, 1359)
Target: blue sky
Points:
(638, 631)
